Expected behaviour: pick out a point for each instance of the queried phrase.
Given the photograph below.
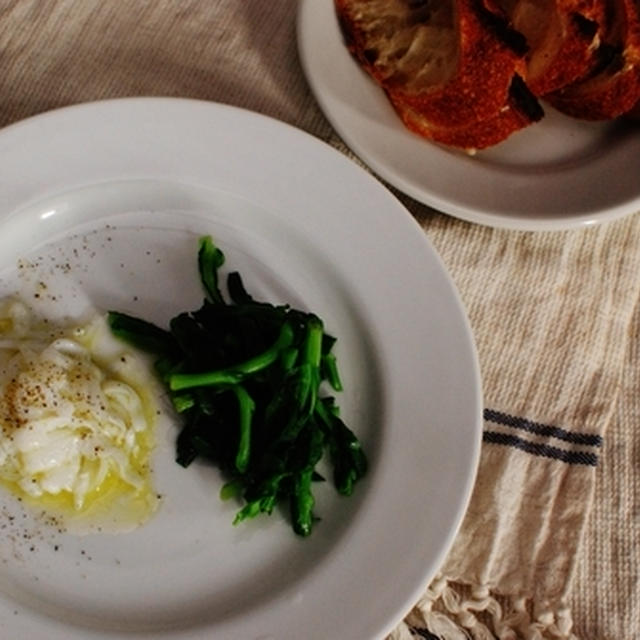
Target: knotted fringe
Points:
(451, 611)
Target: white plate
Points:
(106, 200)
(559, 173)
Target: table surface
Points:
(244, 53)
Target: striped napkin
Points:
(551, 314)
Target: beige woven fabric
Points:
(552, 314)
(607, 584)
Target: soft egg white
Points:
(77, 413)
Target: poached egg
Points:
(77, 416)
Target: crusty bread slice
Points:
(520, 110)
(562, 35)
(401, 41)
(449, 61)
(613, 87)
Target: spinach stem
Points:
(313, 342)
(246, 406)
(235, 374)
(210, 259)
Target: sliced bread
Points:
(520, 110)
(563, 37)
(451, 62)
(612, 88)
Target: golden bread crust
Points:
(481, 55)
(487, 63)
(519, 111)
(613, 88)
(469, 73)
(563, 36)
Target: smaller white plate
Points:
(557, 174)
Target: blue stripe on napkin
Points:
(586, 455)
(542, 429)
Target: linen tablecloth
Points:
(548, 547)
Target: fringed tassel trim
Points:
(451, 611)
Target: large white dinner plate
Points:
(559, 173)
(103, 203)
